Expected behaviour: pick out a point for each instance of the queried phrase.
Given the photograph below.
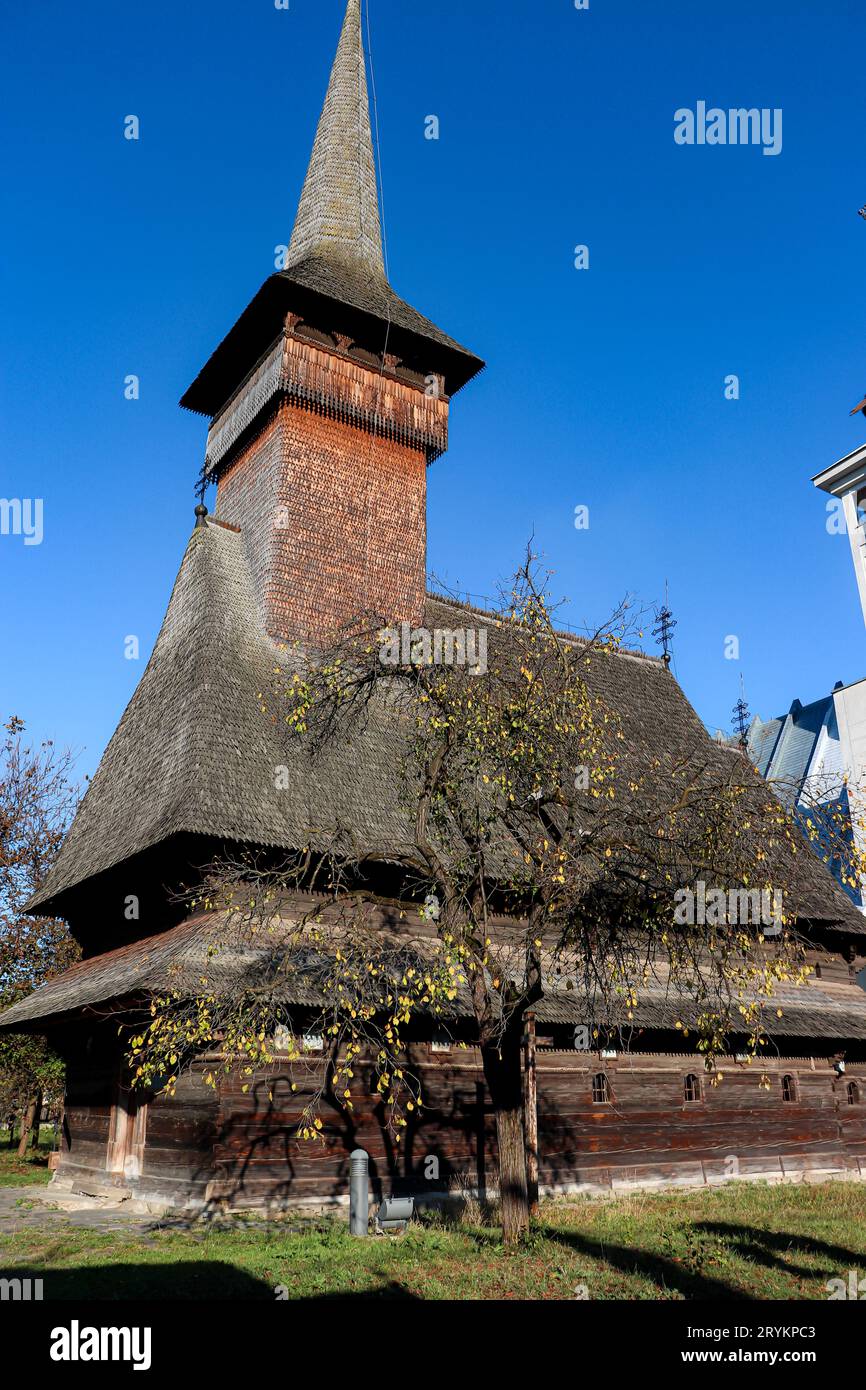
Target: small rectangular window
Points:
(600, 1089)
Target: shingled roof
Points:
(338, 215)
(195, 753)
(120, 980)
(328, 292)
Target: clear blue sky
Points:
(604, 387)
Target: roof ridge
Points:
(635, 654)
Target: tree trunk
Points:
(504, 1075)
(531, 1113)
(30, 1124)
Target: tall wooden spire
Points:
(338, 216)
(333, 278)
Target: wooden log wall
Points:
(241, 1147)
(649, 1132)
(176, 1162)
(90, 1077)
(646, 1133)
(179, 1141)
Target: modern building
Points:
(815, 756)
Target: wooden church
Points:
(327, 402)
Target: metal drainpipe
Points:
(359, 1193)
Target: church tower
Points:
(329, 398)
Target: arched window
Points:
(692, 1089)
(853, 1091)
(789, 1089)
(600, 1089)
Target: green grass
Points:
(14, 1171)
(745, 1241)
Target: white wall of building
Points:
(846, 483)
(850, 702)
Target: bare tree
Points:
(37, 801)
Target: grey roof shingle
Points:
(338, 215)
(179, 958)
(195, 753)
(762, 740)
(342, 282)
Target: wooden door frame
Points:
(127, 1128)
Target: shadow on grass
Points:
(666, 1274)
(390, 1290)
(32, 1169)
(767, 1248)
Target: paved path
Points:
(28, 1208)
(44, 1208)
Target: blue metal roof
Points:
(800, 746)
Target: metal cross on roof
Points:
(742, 719)
(663, 631)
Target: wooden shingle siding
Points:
(332, 520)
